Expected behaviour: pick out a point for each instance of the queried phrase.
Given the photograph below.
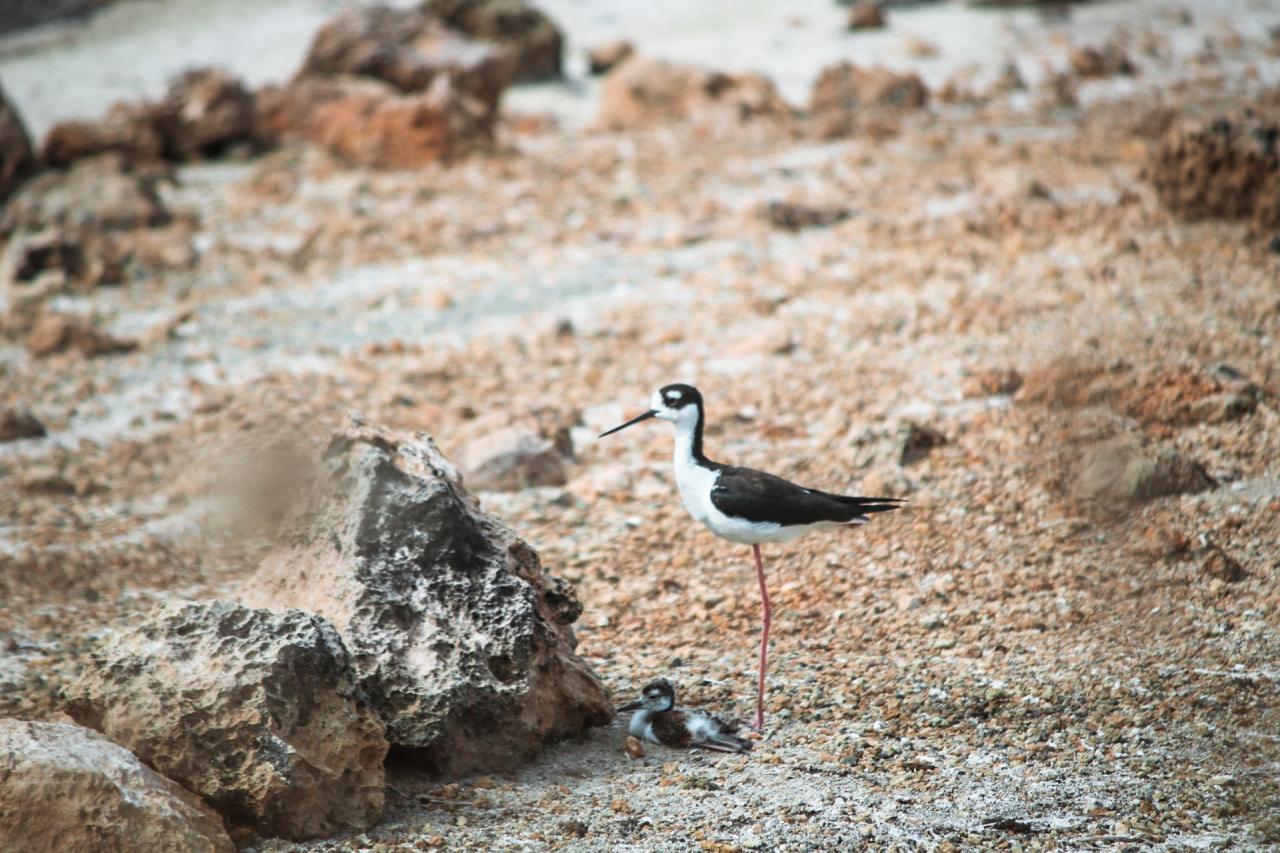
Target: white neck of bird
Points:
(688, 447)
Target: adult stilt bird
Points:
(744, 505)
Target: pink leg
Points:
(766, 613)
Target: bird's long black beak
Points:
(639, 703)
(634, 420)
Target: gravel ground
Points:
(1008, 663)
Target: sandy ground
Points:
(1003, 665)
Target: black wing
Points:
(760, 497)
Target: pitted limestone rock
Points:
(256, 711)
(460, 638)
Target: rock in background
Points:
(844, 92)
(65, 788)
(532, 39)
(16, 156)
(1228, 168)
(644, 92)
(205, 112)
(461, 640)
(255, 711)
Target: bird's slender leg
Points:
(766, 613)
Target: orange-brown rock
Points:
(866, 15)
(56, 333)
(408, 49)
(845, 92)
(1228, 168)
(645, 92)
(255, 711)
(133, 130)
(369, 123)
(69, 789)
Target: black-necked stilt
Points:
(744, 505)
(658, 720)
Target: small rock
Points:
(605, 57)
(634, 748)
(46, 480)
(770, 338)
(511, 459)
(1107, 61)
(19, 423)
(1220, 565)
(845, 93)
(57, 333)
(65, 788)
(919, 442)
(645, 92)
(991, 381)
(256, 711)
(1227, 406)
(792, 216)
(602, 481)
(866, 15)
(1123, 472)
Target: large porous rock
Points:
(844, 93)
(258, 712)
(16, 156)
(100, 193)
(408, 49)
(1122, 471)
(532, 39)
(1224, 169)
(65, 788)
(644, 92)
(461, 639)
(369, 123)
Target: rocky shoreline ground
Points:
(1045, 312)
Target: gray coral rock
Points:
(256, 711)
(65, 788)
(461, 640)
